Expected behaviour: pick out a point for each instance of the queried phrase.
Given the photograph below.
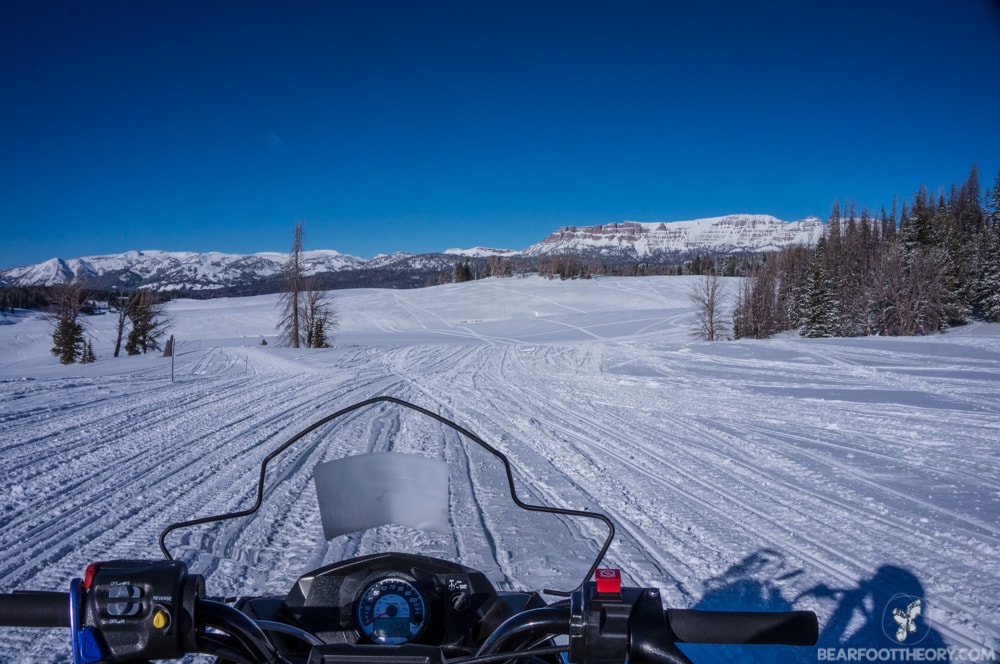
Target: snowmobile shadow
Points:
(856, 624)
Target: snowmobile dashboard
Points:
(391, 599)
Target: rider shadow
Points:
(868, 617)
(887, 611)
(753, 584)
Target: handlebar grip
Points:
(34, 608)
(792, 628)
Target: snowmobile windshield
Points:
(393, 476)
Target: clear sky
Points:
(422, 125)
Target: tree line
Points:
(140, 322)
(307, 316)
(933, 265)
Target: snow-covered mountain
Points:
(176, 270)
(732, 233)
(243, 274)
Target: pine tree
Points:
(88, 356)
(462, 272)
(756, 315)
(147, 322)
(987, 290)
(820, 315)
(319, 318)
(67, 334)
(988, 282)
(793, 271)
(67, 339)
(917, 224)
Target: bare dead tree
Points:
(121, 323)
(756, 314)
(708, 295)
(290, 327)
(910, 299)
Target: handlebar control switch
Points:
(143, 609)
(610, 624)
(598, 632)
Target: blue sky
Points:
(423, 125)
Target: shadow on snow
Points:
(868, 622)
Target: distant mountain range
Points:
(611, 244)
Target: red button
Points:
(608, 580)
(88, 576)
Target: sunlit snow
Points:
(830, 474)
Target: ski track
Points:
(828, 460)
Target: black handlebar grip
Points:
(791, 628)
(34, 608)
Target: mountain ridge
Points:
(618, 242)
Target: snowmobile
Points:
(383, 607)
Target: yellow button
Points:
(161, 619)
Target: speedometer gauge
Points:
(391, 611)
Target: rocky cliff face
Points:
(716, 235)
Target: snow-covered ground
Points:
(837, 475)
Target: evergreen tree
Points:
(793, 271)
(319, 318)
(952, 250)
(987, 290)
(67, 334)
(916, 227)
(88, 356)
(462, 272)
(67, 339)
(148, 324)
(820, 315)
(988, 282)
(968, 205)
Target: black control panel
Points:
(140, 609)
(393, 599)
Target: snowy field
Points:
(837, 475)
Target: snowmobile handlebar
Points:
(126, 611)
(789, 628)
(34, 608)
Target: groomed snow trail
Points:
(785, 473)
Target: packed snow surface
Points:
(833, 475)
